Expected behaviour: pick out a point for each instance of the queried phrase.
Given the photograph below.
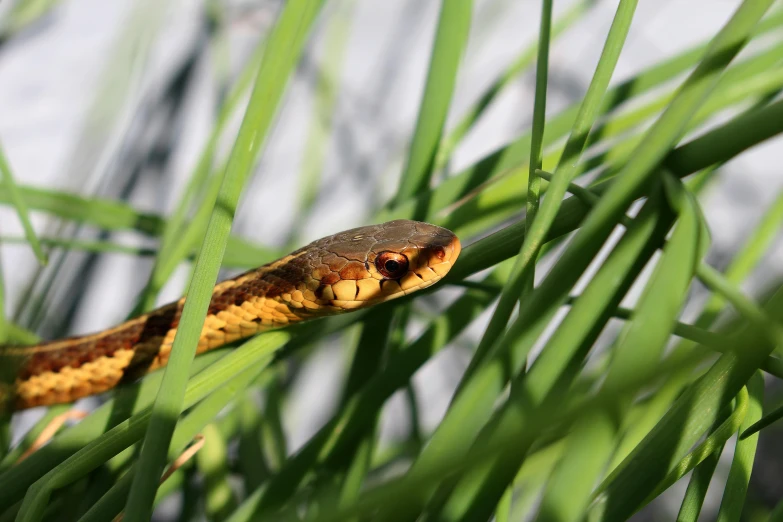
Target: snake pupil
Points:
(392, 265)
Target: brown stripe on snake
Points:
(350, 270)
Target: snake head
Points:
(368, 265)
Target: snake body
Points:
(347, 271)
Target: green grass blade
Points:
(280, 58)
(645, 337)
(258, 351)
(537, 138)
(712, 444)
(745, 452)
(748, 257)
(106, 214)
(85, 246)
(115, 215)
(691, 414)
(450, 41)
(746, 307)
(110, 504)
(13, 456)
(220, 500)
(640, 344)
(338, 437)
(539, 230)
(509, 158)
(355, 476)
(525, 59)
(553, 370)
(573, 479)
(178, 239)
(272, 434)
(17, 199)
(697, 488)
(14, 481)
(397, 492)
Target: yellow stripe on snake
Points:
(347, 271)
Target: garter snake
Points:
(347, 271)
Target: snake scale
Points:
(347, 271)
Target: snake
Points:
(351, 270)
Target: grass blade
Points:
(455, 136)
(745, 452)
(16, 198)
(258, 351)
(541, 227)
(282, 54)
(450, 41)
(537, 138)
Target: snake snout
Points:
(436, 250)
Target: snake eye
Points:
(391, 264)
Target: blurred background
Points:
(116, 100)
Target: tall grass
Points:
(557, 416)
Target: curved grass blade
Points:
(103, 213)
(541, 227)
(697, 487)
(280, 58)
(745, 452)
(115, 215)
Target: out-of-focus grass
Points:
(556, 434)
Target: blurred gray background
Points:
(94, 107)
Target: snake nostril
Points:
(439, 252)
